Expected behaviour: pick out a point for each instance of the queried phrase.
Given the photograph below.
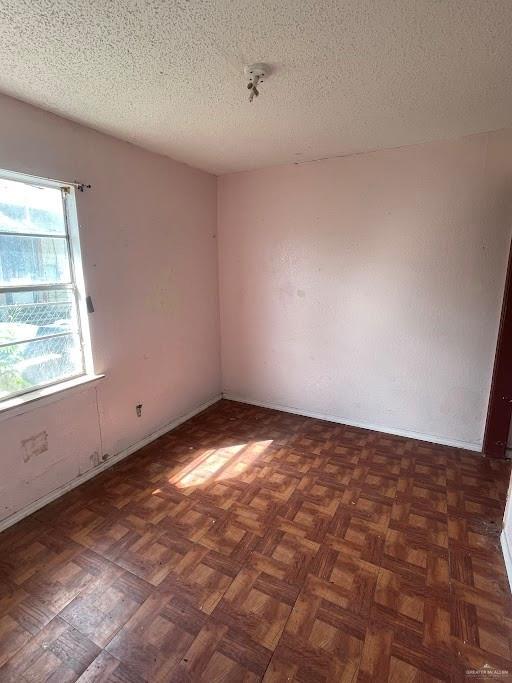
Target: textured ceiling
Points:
(349, 76)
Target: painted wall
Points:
(150, 260)
(368, 288)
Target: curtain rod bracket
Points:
(81, 186)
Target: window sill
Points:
(41, 397)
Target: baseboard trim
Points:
(68, 486)
(430, 438)
(507, 556)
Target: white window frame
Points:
(77, 286)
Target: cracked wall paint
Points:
(34, 445)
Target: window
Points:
(43, 320)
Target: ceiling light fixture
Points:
(255, 73)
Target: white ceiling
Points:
(349, 76)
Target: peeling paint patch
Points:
(34, 445)
(88, 461)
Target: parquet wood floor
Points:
(250, 545)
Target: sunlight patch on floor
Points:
(219, 464)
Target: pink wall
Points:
(367, 289)
(149, 248)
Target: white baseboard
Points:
(363, 425)
(68, 486)
(507, 556)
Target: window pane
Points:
(24, 315)
(33, 260)
(28, 365)
(27, 208)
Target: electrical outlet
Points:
(138, 409)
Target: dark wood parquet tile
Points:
(107, 669)
(202, 577)
(251, 545)
(153, 641)
(221, 653)
(103, 607)
(57, 653)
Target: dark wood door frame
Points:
(500, 399)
